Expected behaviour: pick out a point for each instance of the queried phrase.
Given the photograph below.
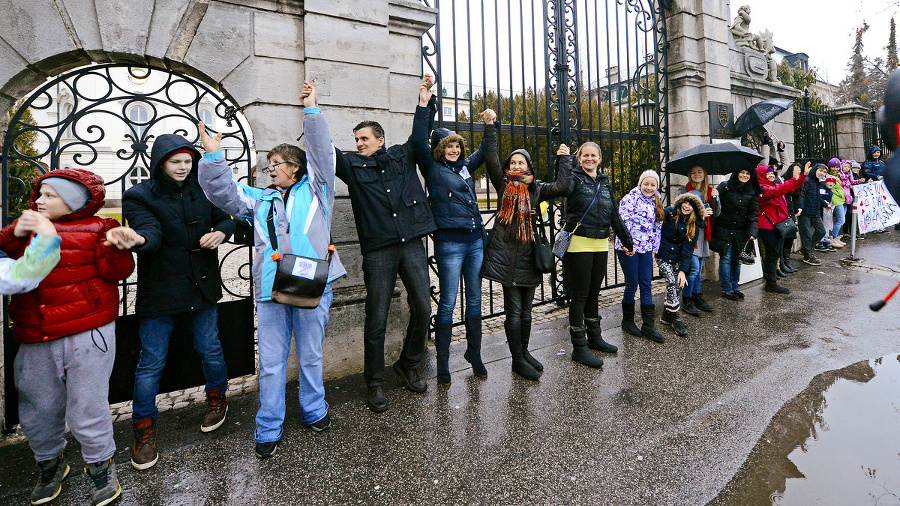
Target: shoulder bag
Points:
(563, 238)
(784, 227)
(543, 256)
(299, 281)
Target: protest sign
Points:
(875, 206)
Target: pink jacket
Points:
(847, 181)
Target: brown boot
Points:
(143, 452)
(216, 408)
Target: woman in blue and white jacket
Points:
(302, 195)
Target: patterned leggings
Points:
(673, 291)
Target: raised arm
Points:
(488, 145)
(560, 186)
(320, 152)
(215, 178)
(418, 141)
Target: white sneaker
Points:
(837, 243)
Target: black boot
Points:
(526, 338)
(473, 346)
(580, 351)
(772, 284)
(519, 365)
(594, 339)
(648, 329)
(780, 273)
(700, 303)
(628, 320)
(672, 318)
(786, 265)
(443, 333)
(687, 305)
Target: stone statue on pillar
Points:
(762, 42)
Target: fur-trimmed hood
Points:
(440, 138)
(695, 201)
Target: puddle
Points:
(838, 442)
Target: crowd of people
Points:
(64, 264)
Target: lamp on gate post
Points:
(644, 108)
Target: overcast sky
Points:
(825, 29)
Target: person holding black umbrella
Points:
(736, 227)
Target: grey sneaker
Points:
(49, 484)
(105, 486)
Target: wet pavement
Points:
(660, 424)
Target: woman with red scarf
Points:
(509, 258)
(692, 296)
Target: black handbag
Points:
(783, 228)
(299, 281)
(543, 255)
(748, 254)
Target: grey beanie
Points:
(73, 193)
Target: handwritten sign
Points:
(875, 207)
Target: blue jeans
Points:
(638, 270)
(455, 259)
(155, 334)
(730, 268)
(694, 279)
(276, 324)
(840, 216)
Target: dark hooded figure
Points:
(680, 230)
(873, 168)
(735, 226)
(458, 240)
(175, 230)
(509, 256)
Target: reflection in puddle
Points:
(838, 442)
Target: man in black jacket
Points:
(392, 216)
(175, 230)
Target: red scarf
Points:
(517, 202)
(707, 232)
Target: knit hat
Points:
(73, 193)
(855, 165)
(831, 179)
(834, 162)
(180, 151)
(770, 168)
(648, 173)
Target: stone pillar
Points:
(850, 134)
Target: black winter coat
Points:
(603, 214)
(174, 273)
(739, 218)
(507, 260)
(389, 203)
(674, 246)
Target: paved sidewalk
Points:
(660, 424)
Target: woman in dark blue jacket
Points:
(679, 235)
(458, 240)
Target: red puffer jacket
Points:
(772, 204)
(81, 292)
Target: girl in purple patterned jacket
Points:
(642, 211)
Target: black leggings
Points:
(771, 251)
(517, 301)
(585, 273)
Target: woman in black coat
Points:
(509, 258)
(736, 225)
(591, 210)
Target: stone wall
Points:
(364, 57)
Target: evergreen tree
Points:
(20, 168)
(853, 88)
(892, 61)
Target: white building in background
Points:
(103, 140)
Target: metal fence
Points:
(555, 71)
(872, 135)
(815, 132)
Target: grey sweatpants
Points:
(67, 381)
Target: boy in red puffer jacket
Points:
(66, 332)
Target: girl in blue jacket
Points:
(679, 235)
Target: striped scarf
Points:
(517, 201)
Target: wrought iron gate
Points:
(815, 131)
(104, 118)
(555, 71)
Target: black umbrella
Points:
(761, 113)
(716, 159)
